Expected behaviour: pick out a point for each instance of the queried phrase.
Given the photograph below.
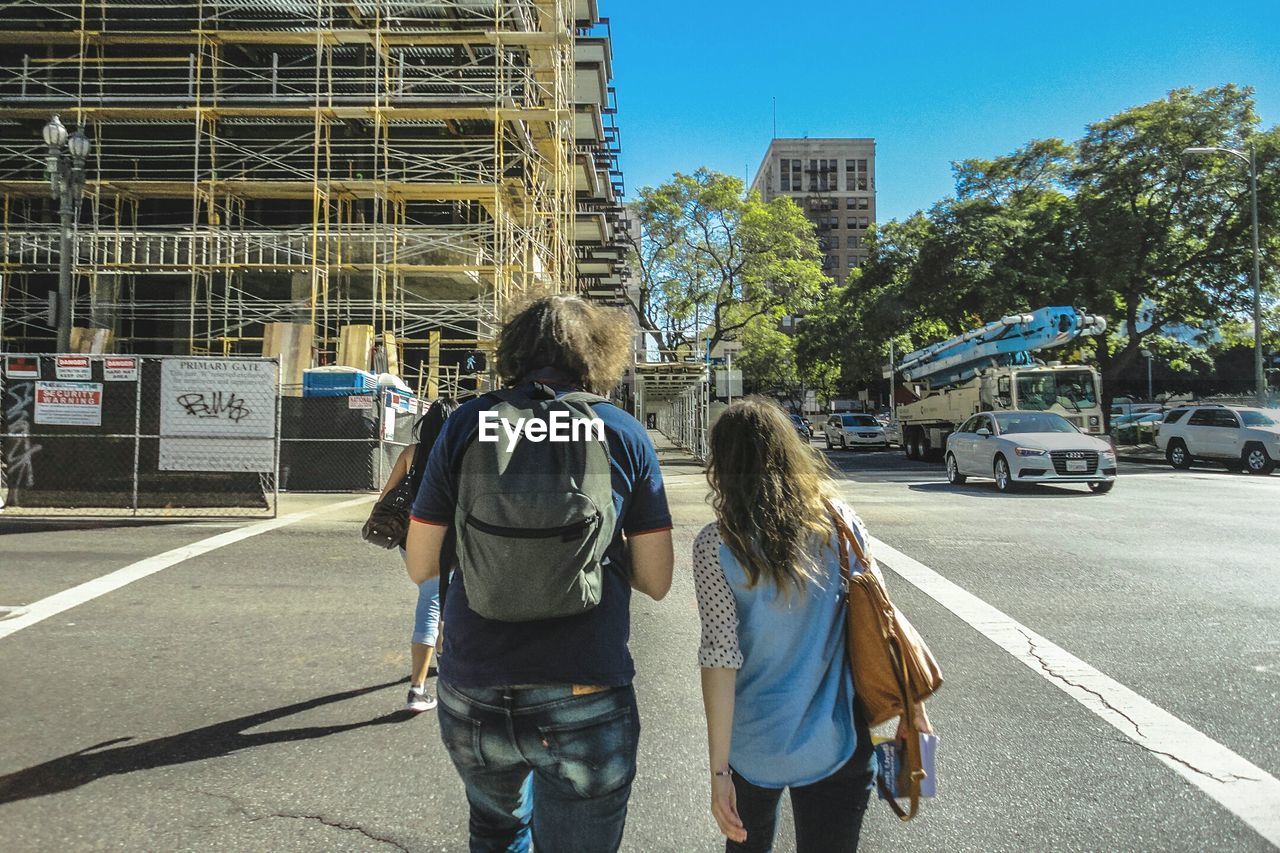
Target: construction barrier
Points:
(139, 435)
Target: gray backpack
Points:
(534, 520)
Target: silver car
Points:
(1015, 448)
(847, 431)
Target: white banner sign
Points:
(69, 403)
(217, 414)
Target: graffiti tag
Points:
(21, 452)
(215, 405)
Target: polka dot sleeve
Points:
(716, 606)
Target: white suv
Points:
(1236, 437)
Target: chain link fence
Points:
(685, 419)
(139, 435)
(345, 443)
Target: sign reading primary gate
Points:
(218, 415)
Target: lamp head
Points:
(79, 145)
(1199, 149)
(55, 134)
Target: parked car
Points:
(1015, 448)
(802, 426)
(1137, 429)
(848, 431)
(893, 432)
(1236, 436)
(1129, 409)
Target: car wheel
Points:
(844, 441)
(1256, 460)
(827, 436)
(1101, 487)
(1177, 455)
(954, 477)
(1004, 479)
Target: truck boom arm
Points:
(1009, 340)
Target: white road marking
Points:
(89, 590)
(1242, 788)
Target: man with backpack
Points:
(558, 506)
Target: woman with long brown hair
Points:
(776, 685)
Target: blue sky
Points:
(932, 81)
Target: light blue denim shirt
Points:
(793, 710)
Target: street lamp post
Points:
(1149, 355)
(65, 167)
(1249, 158)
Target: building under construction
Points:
(367, 182)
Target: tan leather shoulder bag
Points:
(893, 669)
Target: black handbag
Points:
(388, 524)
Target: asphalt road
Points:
(247, 698)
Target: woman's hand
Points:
(919, 717)
(724, 808)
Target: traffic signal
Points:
(474, 361)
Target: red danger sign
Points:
(73, 367)
(120, 369)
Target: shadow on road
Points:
(989, 491)
(96, 762)
(34, 524)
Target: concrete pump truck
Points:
(992, 368)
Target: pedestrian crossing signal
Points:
(474, 362)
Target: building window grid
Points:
(856, 174)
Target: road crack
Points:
(1140, 743)
(1224, 779)
(251, 817)
(1051, 672)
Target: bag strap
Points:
(911, 759)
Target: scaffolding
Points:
(405, 166)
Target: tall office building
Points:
(834, 182)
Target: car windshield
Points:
(860, 421)
(1011, 422)
(796, 419)
(1256, 419)
(1071, 389)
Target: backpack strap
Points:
(583, 397)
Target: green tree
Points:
(1160, 240)
(718, 259)
(1120, 223)
(767, 360)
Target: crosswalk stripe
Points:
(1244, 789)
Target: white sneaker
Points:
(420, 700)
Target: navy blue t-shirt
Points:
(589, 648)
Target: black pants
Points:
(828, 813)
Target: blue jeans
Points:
(426, 616)
(542, 765)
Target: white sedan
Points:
(848, 431)
(1015, 448)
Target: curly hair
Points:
(588, 342)
(769, 492)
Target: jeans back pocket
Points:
(596, 756)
